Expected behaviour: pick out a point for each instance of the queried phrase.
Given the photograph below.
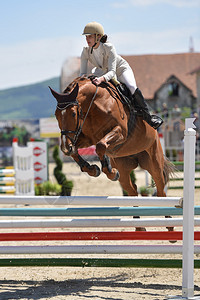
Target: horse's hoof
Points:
(140, 229)
(116, 176)
(171, 229)
(97, 170)
(172, 242)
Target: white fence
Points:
(24, 171)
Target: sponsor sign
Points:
(49, 128)
(40, 161)
(38, 180)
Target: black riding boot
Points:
(141, 107)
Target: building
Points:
(197, 73)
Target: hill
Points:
(29, 102)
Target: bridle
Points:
(79, 126)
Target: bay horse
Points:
(88, 115)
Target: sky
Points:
(37, 37)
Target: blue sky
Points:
(38, 36)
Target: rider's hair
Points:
(104, 39)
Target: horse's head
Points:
(67, 114)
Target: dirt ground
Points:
(59, 283)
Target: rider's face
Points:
(91, 39)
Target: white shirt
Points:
(98, 56)
(106, 60)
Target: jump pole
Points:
(95, 223)
(94, 249)
(93, 201)
(188, 212)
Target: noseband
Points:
(64, 105)
(77, 131)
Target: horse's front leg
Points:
(108, 144)
(92, 170)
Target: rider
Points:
(108, 65)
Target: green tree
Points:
(186, 113)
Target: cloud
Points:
(169, 41)
(177, 3)
(36, 60)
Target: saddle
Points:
(120, 91)
(123, 92)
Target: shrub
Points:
(66, 185)
(48, 188)
(145, 190)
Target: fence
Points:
(7, 180)
(24, 172)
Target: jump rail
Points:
(94, 262)
(93, 249)
(7, 180)
(96, 236)
(94, 201)
(97, 211)
(95, 223)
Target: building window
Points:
(173, 89)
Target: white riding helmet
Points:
(93, 28)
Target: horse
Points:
(89, 115)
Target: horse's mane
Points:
(80, 80)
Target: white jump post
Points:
(188, 210)
(24, 172)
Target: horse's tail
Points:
(169, 170)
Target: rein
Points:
(79, 127)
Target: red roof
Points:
(195, 70)
(151, 71)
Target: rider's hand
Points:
(98, 80)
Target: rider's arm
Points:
(111, 56)
(84, 62)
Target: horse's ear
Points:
(59, 97)
(74, 93)
(65, 97)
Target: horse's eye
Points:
(73, 114)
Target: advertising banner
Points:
(40, 161)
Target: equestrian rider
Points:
(108, 65)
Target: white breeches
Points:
(128, 79)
